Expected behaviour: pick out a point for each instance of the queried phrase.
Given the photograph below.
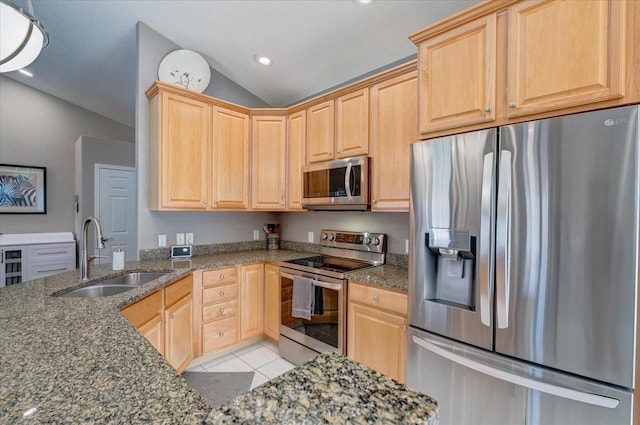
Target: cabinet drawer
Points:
(144, 310)
(219, 334)
(380, 298)
(48, 252)
(219, 294)
(49, 268)
(178, 290)
(219, 276)
(219, 311)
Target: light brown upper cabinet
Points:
(564, 53)
(458, 76)
(179, 135)
(352, 124)
(320, 132)
(229, 159)
(296, 140)
(394, 126)
(504, 61)
(269, 144)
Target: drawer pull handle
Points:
(222, 293)
(221, 334)
(375, 299)
(222, 310)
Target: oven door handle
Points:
(333, 286)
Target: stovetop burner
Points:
(333, 264)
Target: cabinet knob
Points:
(204, 202)
(222, 293)
(487, 109)
(171, 316)
(215, 202)
(221, 334)
(375, 298)
(512, 104)
(222, 310)
(375, 201)
(221, 276)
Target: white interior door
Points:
(115, 207)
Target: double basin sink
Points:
(115, 285)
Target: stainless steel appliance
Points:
(523, 276)
(342, 184)
(302, 339)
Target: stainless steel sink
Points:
(114, 285)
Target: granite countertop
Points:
(79, 360)
(390, 277)
(330, 389)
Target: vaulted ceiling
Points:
(314, 44)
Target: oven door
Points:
(326, 330)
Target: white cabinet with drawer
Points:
(30, 256)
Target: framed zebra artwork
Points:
(22, 189)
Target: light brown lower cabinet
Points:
(377, 329)
(251, 300)
(272, 301)
(165, 319)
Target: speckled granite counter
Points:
(329, 389)
(389, 277)
(78, 360)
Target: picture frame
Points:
(23, 189)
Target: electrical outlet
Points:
(256, 235)
(179, 238)
(162, 240)
(189, 239)
(310, 237)
(406, 246)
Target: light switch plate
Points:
(256, 235)
(310, 237)
(406, 246)
(179, 238)
(162, 240)
(189, 239)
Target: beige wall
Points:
(40, 130)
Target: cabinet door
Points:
(184, 137)
(179, 333)
(394, 126)
(272, 301)
(230, 160)
(564, 53)
(320, 132)
(268, 171)
(296, 137)
(378, 340)
(153, 331)
(251, 300)
(458, 76)
(352, 124)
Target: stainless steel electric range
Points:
(325, 329)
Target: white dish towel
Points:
(303, 297)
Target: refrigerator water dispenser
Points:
(452, 279)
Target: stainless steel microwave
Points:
(342, 184)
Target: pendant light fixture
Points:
(22, 36)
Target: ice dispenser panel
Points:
(452, 280)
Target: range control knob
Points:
(324, 236)
(332, 237)
(376, 241)
(367, 241)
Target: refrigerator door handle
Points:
(502, 239)
(556, 390)
(486, 268)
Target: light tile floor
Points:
(261, 358)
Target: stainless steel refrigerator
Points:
(523, 282)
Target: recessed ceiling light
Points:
(364, 2)
(262, 60)
(27, 73)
